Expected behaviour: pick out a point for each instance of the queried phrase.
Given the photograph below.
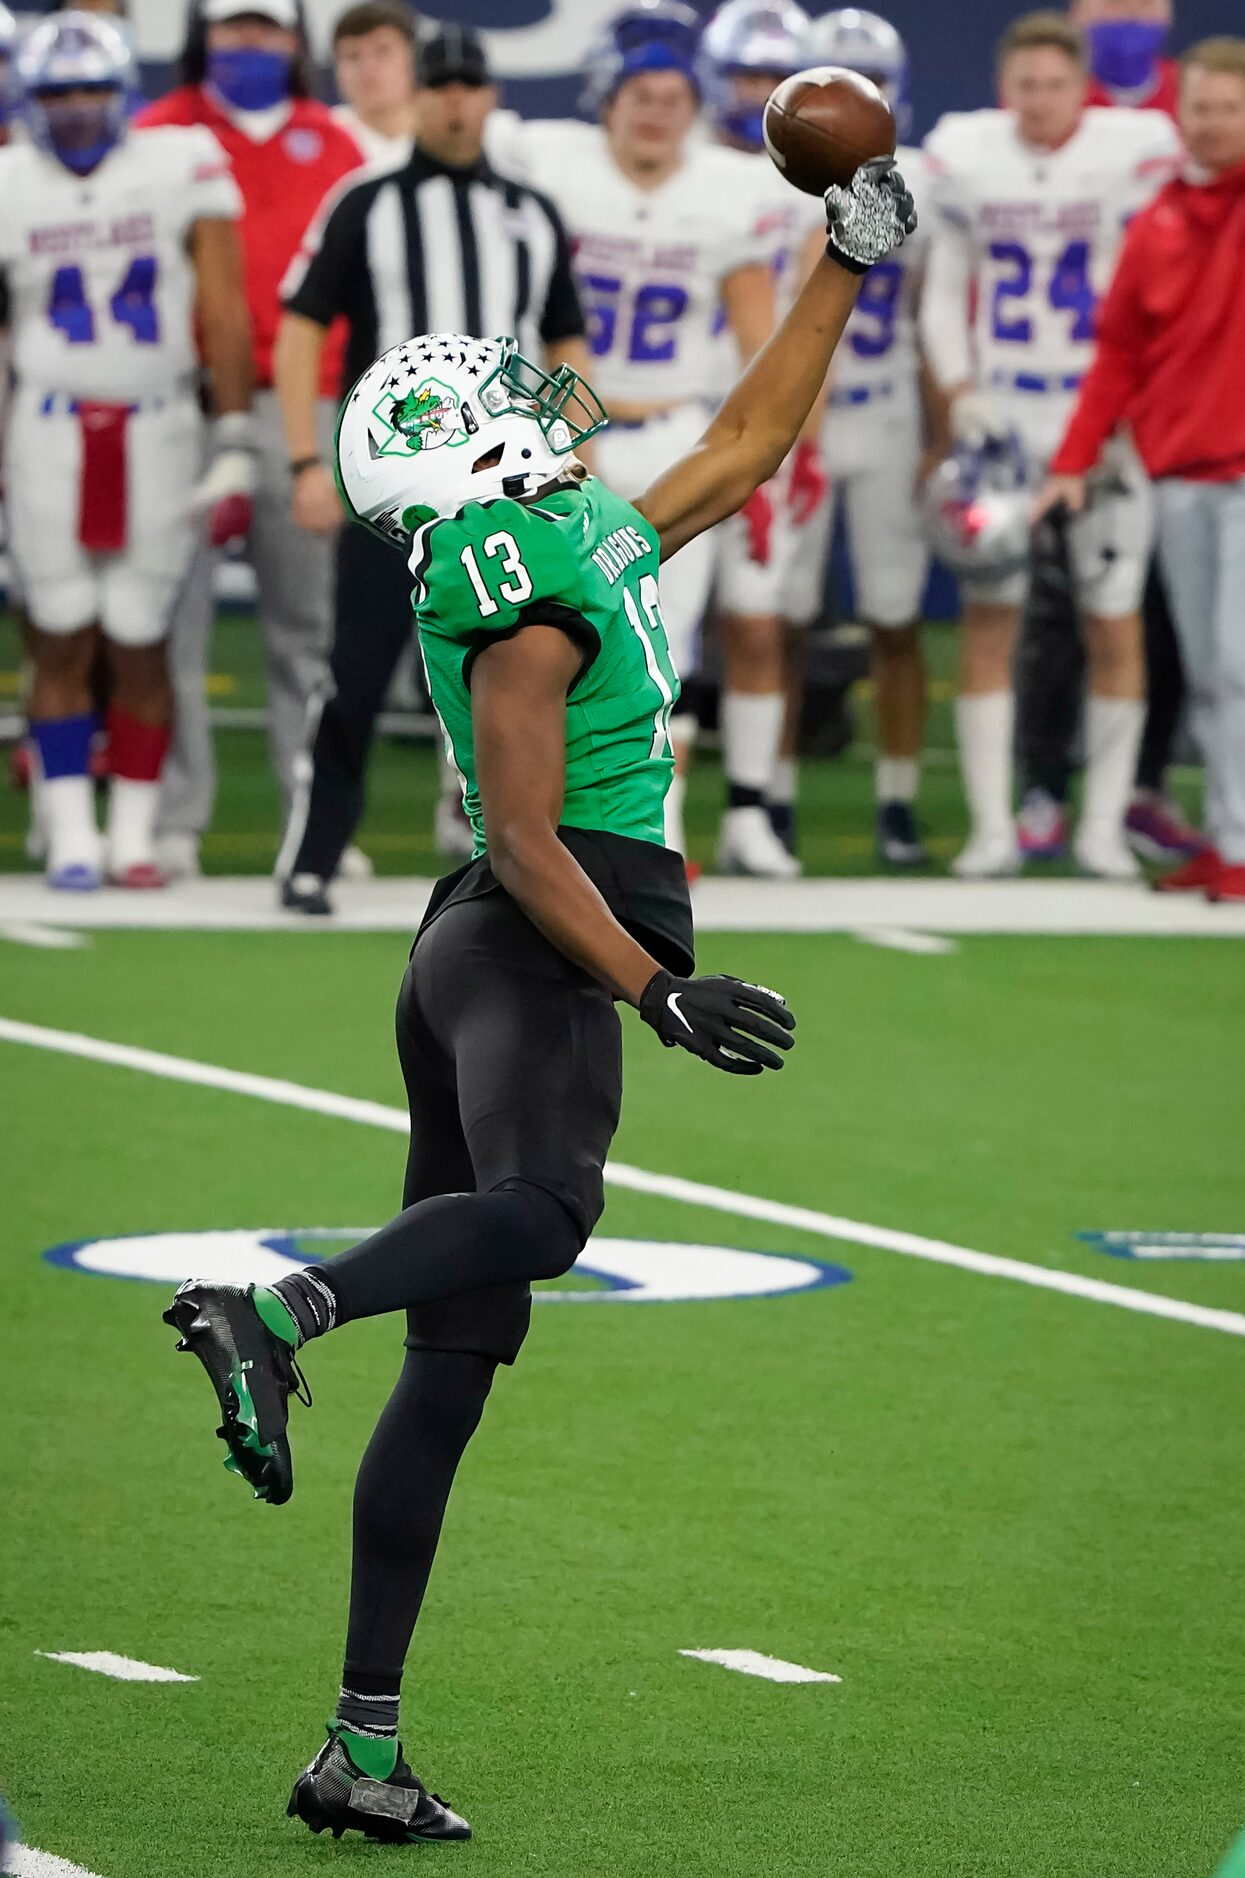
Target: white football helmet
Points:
(976, 507)
(742, 38)
(866, 43)
(444, 420)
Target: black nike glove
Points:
(735, 1026)
(869, 218)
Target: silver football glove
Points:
(869, 219)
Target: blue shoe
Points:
(899, 843)
(77, 877)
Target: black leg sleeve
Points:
(1050, 669)
(372, 627)
(1165, 688)
(399, 1503)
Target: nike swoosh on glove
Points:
(738, 1027)
(223, 494)
(869, 219)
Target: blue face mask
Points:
(1124, 54)
(250, 78)
(746, 123)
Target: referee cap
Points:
(453, 55)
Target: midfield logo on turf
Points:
(609, 1271)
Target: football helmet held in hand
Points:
(976, 506)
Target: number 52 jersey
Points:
(96, 282)
(585, 561)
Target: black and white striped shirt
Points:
(428, 248)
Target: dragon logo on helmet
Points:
(425, 419)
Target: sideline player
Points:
(1030, 205)
(749, 46)
(873, 443)
(112, 249)
(540, 621)
(666, 229)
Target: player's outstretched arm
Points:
(750, 436)
(518, 715)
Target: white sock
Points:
(983, 728)
(67, 814)
(132, 809)
(674, 814)
(751, 736)
(784, 782)
(1113, 728)
(896, 778)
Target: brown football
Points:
(821, 125)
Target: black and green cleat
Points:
(332, 1793)
(253, 1373)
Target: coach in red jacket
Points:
(1171, 347)
(247, 78)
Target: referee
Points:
(439, 244)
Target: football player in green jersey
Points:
(539, 613)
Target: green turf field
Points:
(1010, 1520)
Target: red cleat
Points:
(142, 877)
(693, 870)
(1198, 875)
(1229, 883)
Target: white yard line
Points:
(638, 1180)
(120, 1668)
(753, 1663)
(25, 1862)
(21, 932)
(388, 904)
(905, 939)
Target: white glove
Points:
(870, 218)
(223, 494)
(976, 418)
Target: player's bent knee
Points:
(555, 1229)
(489, 1324)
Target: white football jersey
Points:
(99, 288)
(1024, 240)
(879, 348)
(650, 262)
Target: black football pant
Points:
(1050, 678)
(372, 626)
(512, 1062)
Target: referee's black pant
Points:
(1050, 677)
(371, 629)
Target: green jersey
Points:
(585, 561)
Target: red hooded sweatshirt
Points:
(283, 182)
(1171, 340)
